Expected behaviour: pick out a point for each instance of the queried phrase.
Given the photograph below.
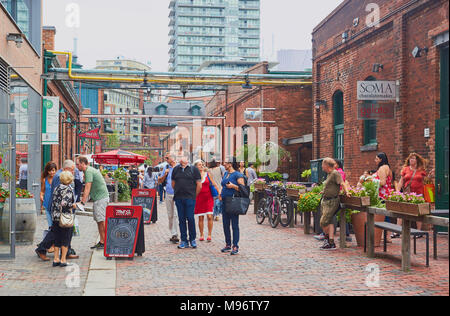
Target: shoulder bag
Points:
(239, 203)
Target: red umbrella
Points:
(119, 157)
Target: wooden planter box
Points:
(295, 192)
(260, 186)
(409, 209)
(355, 201)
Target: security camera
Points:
(417, 51)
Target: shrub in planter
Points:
(309, 202)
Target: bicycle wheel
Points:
(274, 215)
(286, 213)
(261, 211)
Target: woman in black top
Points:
(63, 202)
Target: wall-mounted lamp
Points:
(15, 37)
(377, 67)
(247, 84)
(320, 103)
(184, 90)
(417, 51)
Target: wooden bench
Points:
(398, 229)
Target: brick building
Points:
(409, 46)
(69, 104)
(292, 116)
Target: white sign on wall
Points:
(50, 122)
(377, 90)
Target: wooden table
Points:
(406, 232)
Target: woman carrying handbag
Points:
(232, 183)
(204, 205)
(63, 205)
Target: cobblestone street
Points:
(276, 262)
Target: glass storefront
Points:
(7, 185)
(25, 109)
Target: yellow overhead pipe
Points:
(184, 81)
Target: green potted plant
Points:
(359, 219)
(308, 203)
(121, 180)
(408, 203)
(306, 174)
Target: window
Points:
(338, 108)
(370, 126)
(196, 111)
(161, 110)
(370, 132)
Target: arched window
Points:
(338, 109)
(195, 110)
(245, 129)
(370, 126)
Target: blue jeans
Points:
(186, 210)
(234, 221)
(161, 192)
(217, 207)
(49, 218)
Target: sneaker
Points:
(349, 239)
(320, 237)
(98, 246)
(183, 245)
(327, 246)
(226, 249)
(174, 239)
(235, 251)
(194, 244)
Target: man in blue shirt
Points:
(170, 203)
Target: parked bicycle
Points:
(276, 206)
(268, 206)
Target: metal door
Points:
(7, 184)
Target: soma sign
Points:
(377, 90)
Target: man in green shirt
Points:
(95, 187)
(330, 203)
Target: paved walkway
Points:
(278, 261)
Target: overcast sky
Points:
(138, 29)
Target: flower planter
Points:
(355, 200)
(358, 221)
(294, 193)
(260, 186)
(408, 208)
(26, 219)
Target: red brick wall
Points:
(293, 116)
(391, 45)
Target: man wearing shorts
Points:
(95, 187)
(330, 203)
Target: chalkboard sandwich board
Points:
(122, 227)
(147, 199)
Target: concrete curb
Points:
(101, 280)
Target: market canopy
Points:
(119, 157)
